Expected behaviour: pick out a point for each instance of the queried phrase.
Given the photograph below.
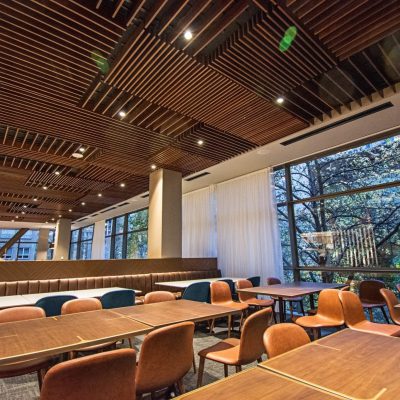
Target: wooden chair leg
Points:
(194, 364)
(241, 321)
(371, 314)
(181, 386)
(130, 343)
(238, 368)
(212, 326)
(315, 332)
(40, 376)
(229, 325)
(385, 315)
(226, 370)
(200, 371)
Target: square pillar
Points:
(43, 244)
(62, 239)
(165, 214)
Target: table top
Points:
(13, 301)
(293, 289)
(171, 312)
(23, 340)
(350, 363)
(257, 384)
(185, 284)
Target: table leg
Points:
(281, 310)
(312, 305)
(229, 325)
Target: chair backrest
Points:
(166, 356)
(244, 284)
(231, 286)
(118, 298)
(199, 291)
(273, 281)
(21, 314)
(158, 297)
(52, 304)
(391, 301)
(104, 376)
(329, 305)
(255, 280)
(251, 340)
(369, 291)
(352, 308)
(280, 338)
(345, 288)
(220, 292)
(81, 305)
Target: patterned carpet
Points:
(26, 387)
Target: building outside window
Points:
(126, 235)
(81, 243)
(24, 249)
(51, 240)
(341, 209)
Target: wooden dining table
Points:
(349, 363)
(290, 290)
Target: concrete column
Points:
(165, 214)
(43, 244)
(98, 240)
(62, 239)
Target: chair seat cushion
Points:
(226, 351)
(233, 304)
(380, 329)
(259, 303)
(25, 367)
(317, 321)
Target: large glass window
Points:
(126, 236)
(81, 243)
(24, 249)
(342, 209)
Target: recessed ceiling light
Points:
(188, 34)
(122, 114)
(52, 219)
(12, 220)
(83, 203)
(57, 172)
(35, 199)
(280, 100)
(100, 195)
(46, 222)
(153, 166)
(22, 212)
(60, 216)
(122, 184)
(77, 155)
(200, 142)
(25, 206)
(82, 149)
(44, 187)
(16, 216)
(70, 210)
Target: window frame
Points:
(79, 242)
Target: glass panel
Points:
(285, 239)
(137, 220)
(119, 224)
(52, 234)
(280, 185)
(73, 251)
(6, 234)
(107, 248)
(367, 165)
(11, 253)
(74, 235)
(356, 230)
(87, 233)
(86, 250)
(30, 236)
(137, 245)
(118, 246)
(27, 251)
(108, 227)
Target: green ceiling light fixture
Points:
(101, 61)
(288, 38)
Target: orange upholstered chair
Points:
(165, 357)
(103, 376)
(354, 317)
(370, 296)
(39, 364)
(85, 305)
(158, 297)
(238, 352)
(280, 338)
(391, 302)
(329, 313)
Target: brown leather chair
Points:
(238, 352)
(85, 305)
(354, 317)
(370, 296)
(38, 365)
(158, 297)
(221, 295)
(104, 376)
(391, 302)
(280, 338)
(329, 313)
(165, 357)
(291, 300)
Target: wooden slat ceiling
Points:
(70, 67)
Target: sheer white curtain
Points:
(199, 224)
(247, 227)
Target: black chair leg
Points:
(385, 315)
(302, 307)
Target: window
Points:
(126, 236)
(24, 249)
(51, 240)
(342, 209)
(81, 243)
